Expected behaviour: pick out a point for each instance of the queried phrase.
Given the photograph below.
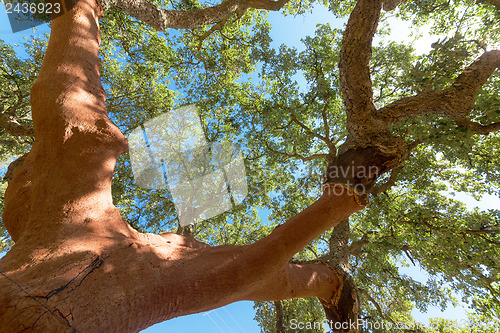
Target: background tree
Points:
(291, 133)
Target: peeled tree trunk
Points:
(77, 266)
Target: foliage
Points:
(284, 108)
(307, 310)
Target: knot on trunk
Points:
(359, 168)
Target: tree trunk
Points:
(77, 266)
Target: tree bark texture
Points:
(77, 266)
(161, 19)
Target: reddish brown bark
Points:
(76, 265)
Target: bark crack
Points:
(79, 278)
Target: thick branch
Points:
(355, 56)
(354, 69)
(280, 328)
(161, 19)
(389, 183)
(455, 102)
(76, 144)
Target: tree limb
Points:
(389, 183)
(495, 3)
(339, 245)
(13, 166)
(161, 19)
(455, 102)
(219, 26)
(331, 145)
(280, 328)
(355, 247)
(355, 56)
(354, 70)
(305, 127)
(480, 232)
(392, 4)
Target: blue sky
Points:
(238, 317)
